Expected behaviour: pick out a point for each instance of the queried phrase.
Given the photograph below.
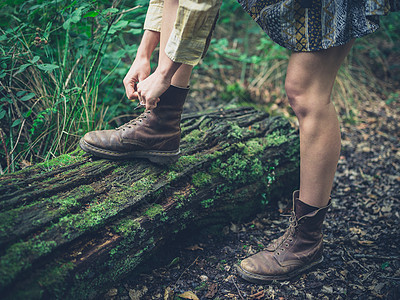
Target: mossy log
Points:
(72, 226)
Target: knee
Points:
(297, 95)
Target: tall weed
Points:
(61, 70)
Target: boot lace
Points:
(287, 236)
(135, 121)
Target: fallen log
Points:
(72, 226)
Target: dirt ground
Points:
(362, 240)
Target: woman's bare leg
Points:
(309, 82)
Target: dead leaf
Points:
(168, 294)
(24, 164)
(189, 295)
(137, 294)
(212, 290)
(367, 243)
(258, 295)
(194, 248)
(112, 292)
(234, 228)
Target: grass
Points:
(58, 69)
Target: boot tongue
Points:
(302, 209)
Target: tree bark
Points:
(72, 226)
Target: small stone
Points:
(234, 228)
(327, 289)
(203, 278)
(112, 293)
(227, 268)
(137, 294)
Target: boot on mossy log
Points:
(73, 226)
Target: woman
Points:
(320, 34)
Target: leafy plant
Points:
(59, 67)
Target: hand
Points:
(138, 72)
(150, 90)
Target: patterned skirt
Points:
(312, 25)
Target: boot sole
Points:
(158, 157)
(260, 279)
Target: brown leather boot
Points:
(299, 249)
(154, 135)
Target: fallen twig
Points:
(376, 256)
(186, 270)
(240, 295)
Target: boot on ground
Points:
(297, 250)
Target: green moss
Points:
(56, 274)
(235, 132)
(97, 212)
(73, 198)
(207, 203)
(187, 214)
(193, 136)
(276, 138)
(18, 257)
(154, 210)
(119, 170)
(187, 160)
(201, 179)
(254, 147)
(7, 220)
(241, 169)
(172, 175)
(62, 160)
(127, 226)
(144, 184)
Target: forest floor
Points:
(362, 239)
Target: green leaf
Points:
(22, 68)
(385, 265)
(9, 100)
(20, 93)
(135, 31)
(2, 113)
(111, 10)
(28, 113)
(16, 123)
(75, 17)
(28, 97)
(91, 14)
(47, 67)
(2, 75)
(34, 59)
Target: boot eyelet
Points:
(278, 253)
(286, 245)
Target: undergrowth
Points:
(62, 64)
(61, 70)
